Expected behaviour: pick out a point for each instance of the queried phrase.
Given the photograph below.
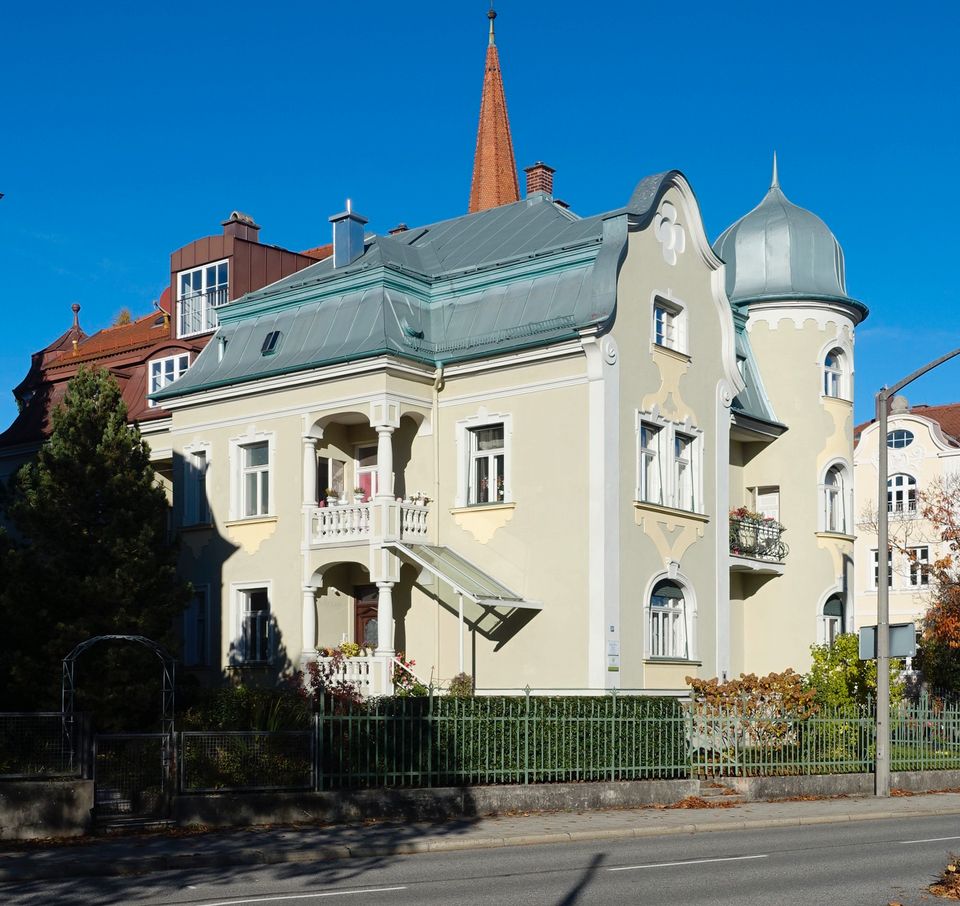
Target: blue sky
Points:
(131, 129)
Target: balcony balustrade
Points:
(759, 540)
(357, 522)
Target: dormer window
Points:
(162, 372)
(199, 293)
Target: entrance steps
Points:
(716, 794)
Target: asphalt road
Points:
(867, 863)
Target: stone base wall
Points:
(32, 809)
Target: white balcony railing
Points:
(371, 674)
(352, 522)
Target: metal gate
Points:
(132, 775)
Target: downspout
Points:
(437, 387)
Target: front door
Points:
(365, 616)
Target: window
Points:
(899, 439)
(487, 461)
(271, 342)
(832, 620)
(833, 373)
(668, 325)
(833, 500)
(667, 625)
(650, 486)
(683, 484)
(366, 470)
(165, 371)
(196, 629)
(196, 510)
(876, 568)
(255, 479)
(767, 502)
(919, 566)
(255, 626)
(902, 494)
(199, 292)
(329, 476)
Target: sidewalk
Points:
(178, 850)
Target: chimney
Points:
(347, 236)
(539, 178)
(399, 228)
(241, 226)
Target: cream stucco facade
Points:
(920, 454)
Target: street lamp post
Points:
(882, 775)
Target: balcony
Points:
(756, 545)
(197, 313)
(354, 523)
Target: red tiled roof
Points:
(319, 252)
(141, 332)
(946, 416)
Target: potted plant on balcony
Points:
(744, 527)
(331, 495)
(358, 494)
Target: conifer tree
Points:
(89, 554)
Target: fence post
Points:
(314, 760)
(318, 724)
(526, 739)
(613, 731)
(430, 735)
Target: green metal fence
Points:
(737, 742)
(925, 736)
(440, 741)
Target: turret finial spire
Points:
(775, 182)
(491, 16)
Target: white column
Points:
(309, 623)
(385, 619)
(385, 461)
(309, 471)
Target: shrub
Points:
(461, 686)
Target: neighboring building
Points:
(923, 447)
(580, 400)
(150, 352)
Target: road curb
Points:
(80, 867)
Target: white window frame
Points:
(197, 653)
(875, 570)
(830, 625)
(207, 297)
(650, 477)
(664, 452)
(237, 485)
(157, 376)
(687, 617)
(464, 440)
(322, 487)
(196, 489)
(372, 471)
(836, 499)
(836, 382)
(920, 566)
(668, 326)
(899, 503)
(240, 593)
(899, 434)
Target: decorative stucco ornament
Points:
(669, 233)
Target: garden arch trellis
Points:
(167, 662)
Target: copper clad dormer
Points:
(494, 168)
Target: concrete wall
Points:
(33, 809)
(226, 810)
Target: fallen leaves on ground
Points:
(700, 802)
(948, 886)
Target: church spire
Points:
(494, 168)
(775, 181)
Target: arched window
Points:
(667, 631)
(831, 620)
(833, 373)
(902, 494)
(834, 500)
